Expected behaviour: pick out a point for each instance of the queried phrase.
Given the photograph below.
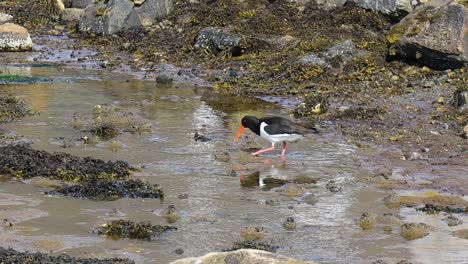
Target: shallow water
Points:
(218, 207)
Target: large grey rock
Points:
(107, 18)
(81, 3)
(5, 18)
(146, 12)
(435, 36)
(72, 14)
(14, 38)
(217, 39)
(338, 54)
(395, 8)
(242, 256)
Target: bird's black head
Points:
(252, 123)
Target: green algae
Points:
(14, 78)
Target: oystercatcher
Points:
(274, 129)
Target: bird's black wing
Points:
(281, 125)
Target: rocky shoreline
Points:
(385, 78)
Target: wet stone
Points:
(111, 190)
(171, 214)
(367, 221)
(13, 256)
(105, 130)
(200, 138)
(290, 224)
(333, 187)
(122, 228)
(164, 79)
(24, 162)
(179, 251)
(222, 156)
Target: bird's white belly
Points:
(278, 137)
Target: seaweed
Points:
(12, 108)
(11, 256)
(123, 228)
(24, 162)
(111, 190)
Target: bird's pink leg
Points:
(284, 149)
(264, 150)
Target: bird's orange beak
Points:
(239, 133)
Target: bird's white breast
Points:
(277, 137)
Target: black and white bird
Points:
(274, 129)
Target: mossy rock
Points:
(127, 229)
(252, 245)
(412, 231)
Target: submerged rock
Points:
(252, 233)
(240, 256)
(111, 190)
(462, 233)
(452, 220)
(14, 38)
(412, 231)
(432, 36)
(13, 256)
(171, 214)
(290, 224)
(25, 162)
(123, 228)
(367, 221)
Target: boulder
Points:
(14, 38)
(81, 3)
(216, 39)
(4, 18)
(394, 8)
(110, 17)
(72, 14)
(336, 55)
(145, 13)
(242, 256)
(434, 36)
